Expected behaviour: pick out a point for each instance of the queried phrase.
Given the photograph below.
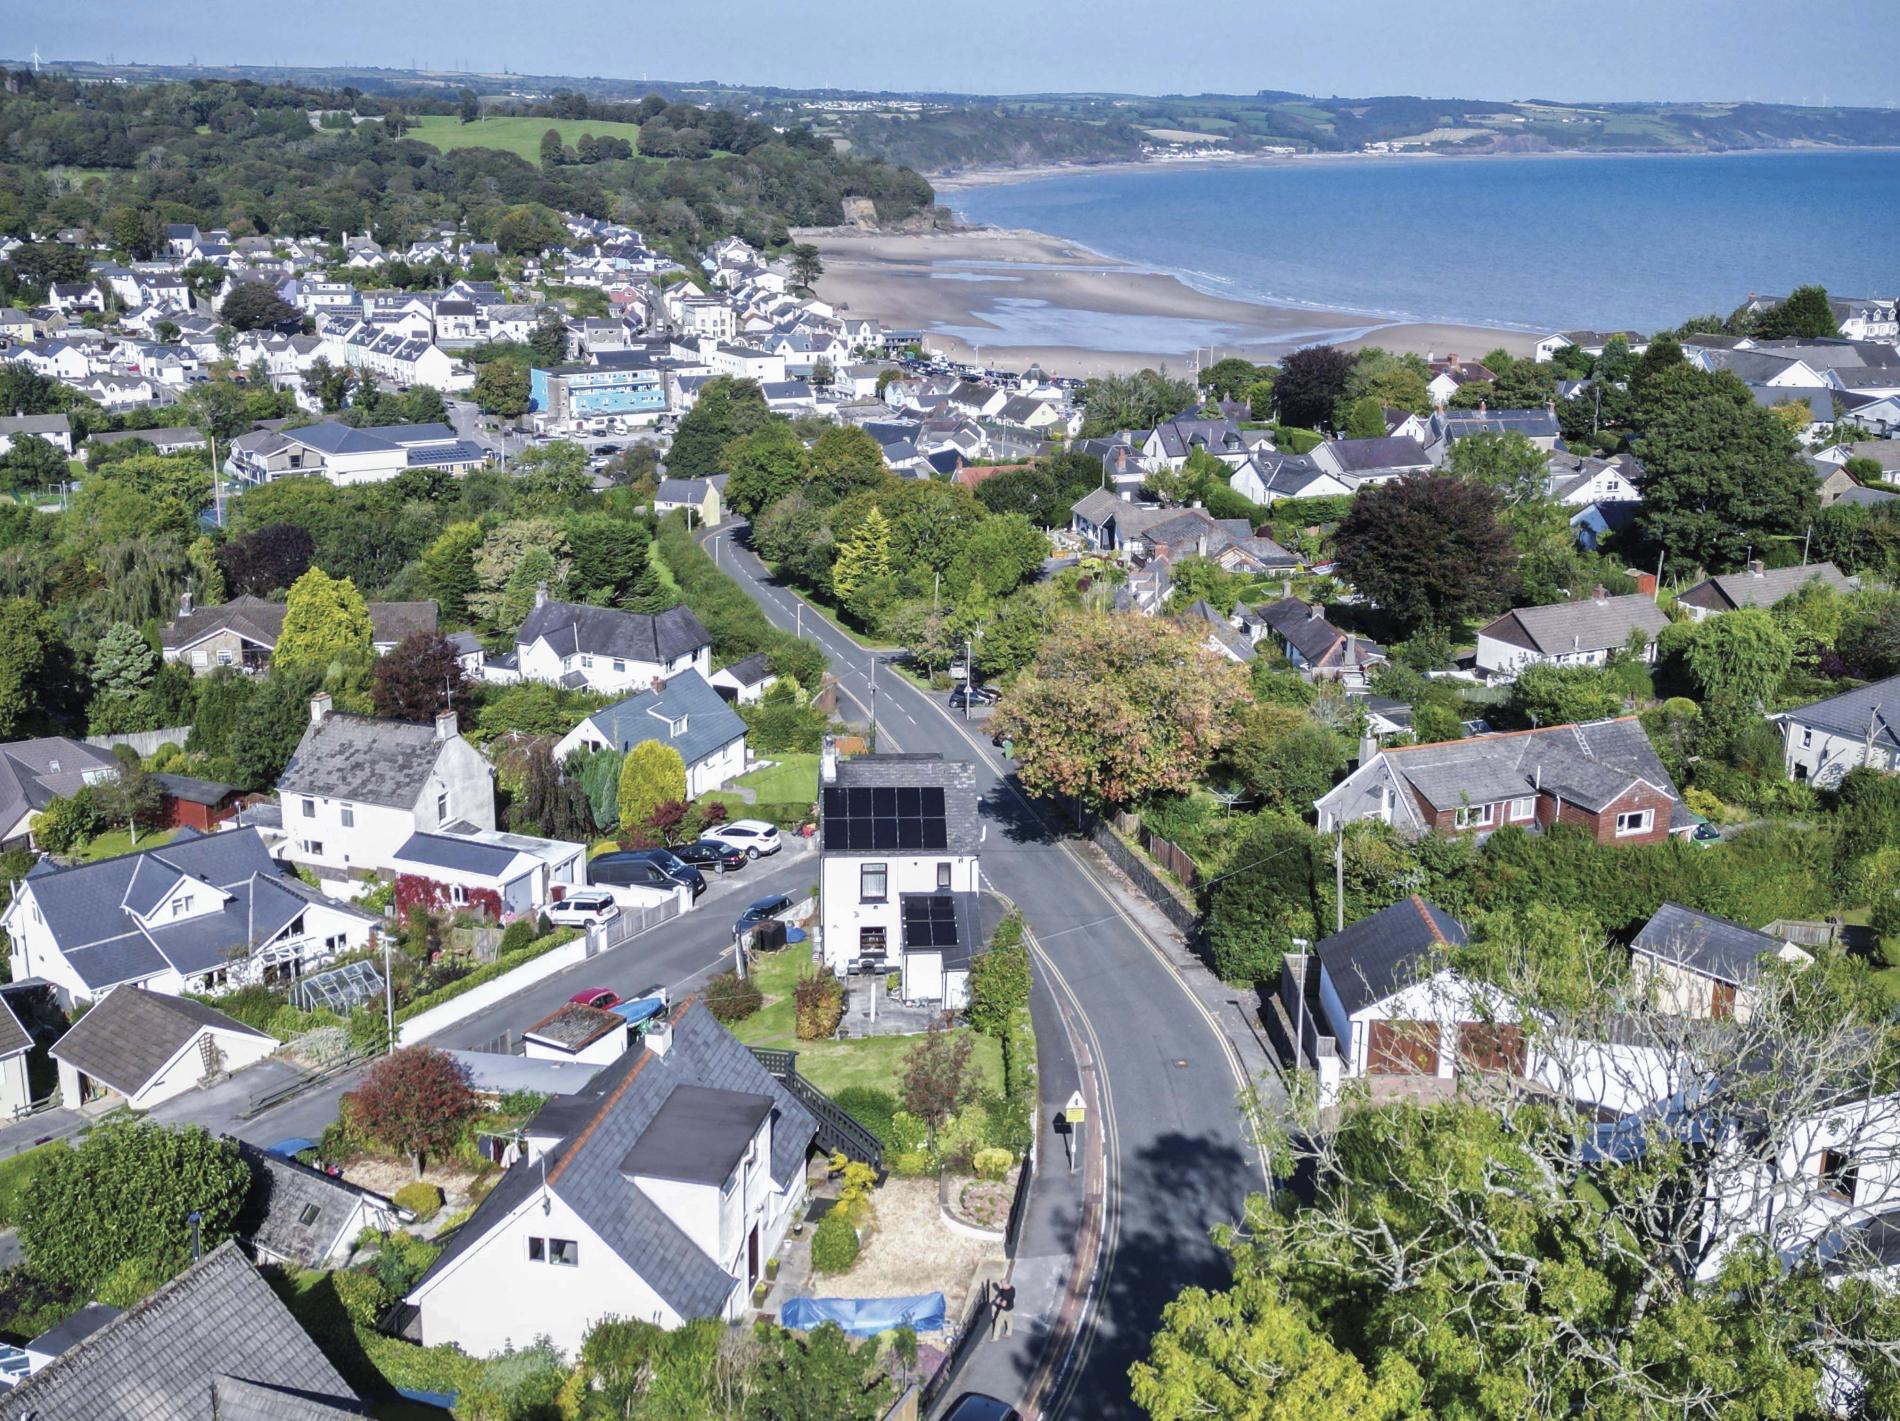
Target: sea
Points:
(1531, 243)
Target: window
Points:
(943, 877)
(1635, 821)
(732, 1183)
(181, 904)
(313, 847)
(310, 809)
(564, 1253)
(224, 657)
(587, 661)
(873, 882)
(619, 665)
(1525, 808)
(458, 895)
(1839, 1177)
(1807, 737)
(442, 807)
(349, 817)
(309, 1214)
(1475, 816)
(537, 1250)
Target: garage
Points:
(1402, 1048)
(1491, 1046)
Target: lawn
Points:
(521, 136)
(793, 780)
(833, 1066)
(117, 841)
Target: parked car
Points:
(1705, 835)
(673, 866)
(596, 997)
(760, 910)
(976, 1406)
(755, 836)
(579, 910)
(972, 697)
(620, 869)
(711, 853)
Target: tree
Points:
(547, 342)
(764, 466)
(1230, 379)
(421, 676)
(845, 459)
(727, 409)
(1508, 464)
(807, 266)
(325, 620)
(1564, 695)
(938, 1077)
(28, 642)
(648, 592)
(1285, 756)
(1309, 384)
(608, 553)
(262, 739)
(266, 559)
(1805, 315)
(448, 568)
(254, 305)
(1004, 552)
(501, 388)
(551, 153)
(1116, 708)
(1138, 401)
(329, 385)
(1427, 548)
(1361, 418)
(864, 560)
(468, 106)
(416, 1100)
(652, 774)
(132, 797)
(124, 664)
(1740, 657)
(31, 462)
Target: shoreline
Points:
(1032, 297)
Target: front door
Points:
(752, 1257)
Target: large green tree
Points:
(764, 466)
(725, 410)
(325, 620)
(1804, 315)
(1428, 548)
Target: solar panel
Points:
(930, 920)
(885, 819)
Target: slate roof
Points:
(13, 1036)
(463, 855)
(277, 1218)
(571, 629)
(261, 621)
(1764, 588)
(711, 724)
(213, 1344)
(38, 424)
(35, 771)
(363, 758)
(194, 791)
(1363, 456)
(601, 1125)
(1387, 952)
(1852, 713)
(1537, 423)
(129, 1035)
(697, 1137)
(963, 829)
(85, 907)
(1714, 947)
(1305, 628)
(753, 671)
(1589, 625)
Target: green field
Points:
(512, 135)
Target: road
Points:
(1178, 1161)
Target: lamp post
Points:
(389, 998)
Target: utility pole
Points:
(969, 666)
(874, 702)
(1299, 1027)
(1806, 538)
(798, 618)
(389, 998)
(1339, 883)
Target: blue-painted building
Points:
(609, 389)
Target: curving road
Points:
(1177, 1160)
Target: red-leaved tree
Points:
(939, 1077)
(416, 1100)
(420, 676)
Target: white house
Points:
(898, 881)
(144, 1047)
(202, 913)
(1699, 965)
(744, 682)
(657, 1193)
(55, 429)
(510, 874)
(1823, 741)
(602, 649)
(358, 788)
(34, 772)
(1569, 633)
(684, 713)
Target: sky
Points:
(1786, 51)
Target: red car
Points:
(596, 997)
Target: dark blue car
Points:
(759, 912)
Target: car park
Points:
(599, 997)
(759, 911)
(711, 853)
(755, 836)
(579, 910)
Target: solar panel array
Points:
(930, 920)
(885, 819)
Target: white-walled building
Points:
(1582, 633)
(685, 714)
(1823, 741)
(601, 649)
(145, 1047)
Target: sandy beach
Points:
(1010, 298)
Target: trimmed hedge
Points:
(420, 1198)
(502, 965)
(834, 1243)
(872, 1108)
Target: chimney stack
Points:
(1314, 611)
(1756, 568)
(446, 725)
(184, 603)
(828, 761)
(540, 594)
(1286, 587)
(320, 706)
(1600, 594)
(1481, 409)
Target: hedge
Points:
(503, 964)
(834, 1243)
(737, 625)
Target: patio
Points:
(872, 1010)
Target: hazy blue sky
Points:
(1796, 51)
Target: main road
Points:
(1177, 1158)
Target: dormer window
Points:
(181, 905)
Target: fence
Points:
(976, 1321)
(630, 923)
(146, 742)
(1181, 914)
(265, 1100)
(1165, 852)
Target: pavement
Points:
(1153, 1057)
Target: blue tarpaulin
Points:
(864, 1317)
(640, 1010)
(290, 1148)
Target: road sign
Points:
(1075, 1111)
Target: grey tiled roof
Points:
(710, 723)
(260, 621)
(1306, 630)
(752, 671)
(1871, 709)
(1764, 588)
(1392, 949)
(295, 1213)
(447, 851)
(1360, 456)
(963, 828)
(168, 1358)
(699, 1135)
(34, 771)
(571, 629)
(129, 1035)
(1714, 947)
(363, 758)
(602, 1124)
(1589, 625)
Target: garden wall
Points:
(146, 742)
(487, 994)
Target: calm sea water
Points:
(1541, 243)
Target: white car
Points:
(755, 836)
(584, 909)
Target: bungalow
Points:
(1320, 650)
(145, 1047)
(1448, 426)
(34, 772)
(506, 876)
(1699, 965)
(300, 1217)
(1823, 741)
(1371, 461)
(744, 682)
(171, 440)
(656, 1193)
(344, 455)
(243, 632)
(1269, 477)
(1569, 633)
(686, 714)
(601, 649)
(55, 429)
(704, 499)
(202, 913)
(1218, 633)
(1603, 776)
(1760, 587)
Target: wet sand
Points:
(1010, 298)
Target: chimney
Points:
(320, 705)
(1286, 587)
(445, 725)
(1368, 749)
(1452, 361)
(1756, 567)
(1599, 594)
(184, 603)
(1200, 545)
(1481, 410)
(540, 594)
(1314, 611)
(828, 761)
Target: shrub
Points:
(730, 997)
(1019, 1056)
(1009, 1122)
(908, 1133)
(911, 1164)
(959, 1138)
(488, 972)
(517, 935)
(992, 1163)
(518, 1384)
(999, 979)
(834, 1244)
(818, 1005)
(870, 1107)
(131, 1281)
(420, 1198)
(361, 1295)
